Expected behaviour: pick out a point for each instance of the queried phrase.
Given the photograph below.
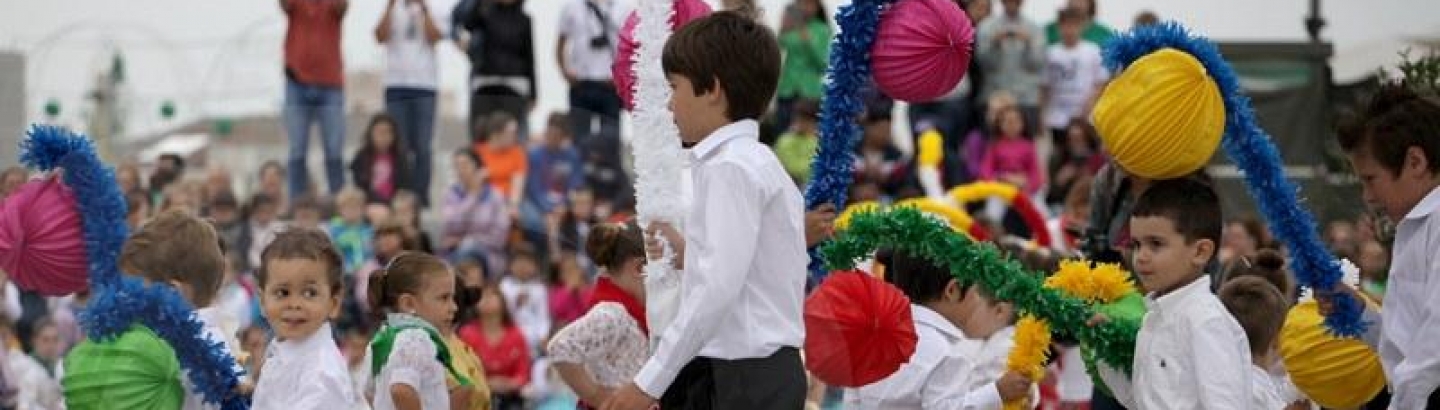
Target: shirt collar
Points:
(314, 342)
(1427, 205)
(1178, 298)
(927, 317)
(720, 136)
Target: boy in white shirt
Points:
(1190, 353)
(1260, 308)
(1074, 75)
(1394, 148)
(941, 374)
(734, 342)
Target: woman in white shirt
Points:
(604, 349)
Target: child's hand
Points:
(1326, 300)
(1013, 386)
(1097, 320)
(655, 250)
(819, 224)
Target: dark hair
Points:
(1255, 229)
(396, 227)
(613, 244)
(995, 132)
(559, 121)
(304, 243)
(470, 153)
(1258, 306)
(1190, 204)
(308, 202)
(1063, 154)
(175, 158)
(1072, 14)
(493, 289)
(921, 280)
(397, 144)
(224, 199)
(175, 246)
(134, 199)
(256, 201)
(728, 50)
(493, 124)
(1395, 119)
(1267, 265)
(405, 273)
(272, 164)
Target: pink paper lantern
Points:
(623, 70)
(42, 244)
(922, 49)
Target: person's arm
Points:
(1417, 377)
(567, 26)
(721, 249)
(432, 30)
(382, 29)
(412, 353)
(1222, 364)
(529, 40)
(987, 163)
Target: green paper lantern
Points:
(135, 371)
(1130, 307)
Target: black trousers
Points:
(772, 383)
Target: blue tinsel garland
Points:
(1251, 149)
(833, 167)
(117, 301)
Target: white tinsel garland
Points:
(659, 160)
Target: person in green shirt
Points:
(796, 147)
(1093, 31)
(805, 41)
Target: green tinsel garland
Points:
(909, 230)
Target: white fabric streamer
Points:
(659, 161)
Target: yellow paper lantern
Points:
(1334, 372)
(1162, 117)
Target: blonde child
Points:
(351, 232)
(301, 286)
(410, 361)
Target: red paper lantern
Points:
(858, 330)
(41, 242)
(922, 49)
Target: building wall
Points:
(12, 105)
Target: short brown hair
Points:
(1267, 265)
(560, 121)
(303, 243)
(1395, 119)
(408, 240)
(175, 246)
(1259, 307)
(732, 51)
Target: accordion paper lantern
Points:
(1162, 117)
(922, 49)
(41, 245)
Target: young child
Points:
(263, 224)
(35, 373)
(350, 231)
(184, 252)
(301, 285)
(410, 361)
(570, 292)
(1074, 74)
(1260, 308)
(464, 359)
(500, 148)
(602, 350)
(1190, 352)
(940, 374)
(527, 297)
(502, 349)
(308, 213)
(797, 146)
(745, 230)
(476, 215)
(380, 167)
(555, 169)
(406, 208)
(1011, 156)
(1393, 148)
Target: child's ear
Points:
(716, 95)
(1204, 251)
(1416, 163)
(334, 306)
(953, 291)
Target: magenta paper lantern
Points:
(42, 245)
(922, 49)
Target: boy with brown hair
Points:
(1260, 308)
(734, 341)
(1394, 147)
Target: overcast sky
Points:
(223, 57)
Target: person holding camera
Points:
(589, 31)
(409, 31)
(1011, 50)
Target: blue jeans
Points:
(305, 105)
(414, 112)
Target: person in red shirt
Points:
(502, 350)
(314, 88)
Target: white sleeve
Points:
(1222, 363)
(13, 309)
(569, 18)
(588, 338)
(1121, 387)
(1417, 376)
(718, 256)
(411, 354)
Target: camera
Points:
(600, 41)
(1095, 247)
